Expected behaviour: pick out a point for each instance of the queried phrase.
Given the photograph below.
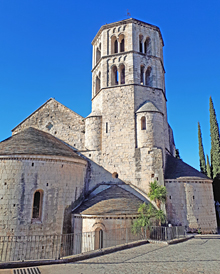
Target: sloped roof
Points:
(35, 142)
(177, 169)
(113, 200)
(148, 107)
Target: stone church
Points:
(63, 173)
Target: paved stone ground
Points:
(192, 256)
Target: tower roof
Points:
(148, 107)
(35, 142)
(127, 21)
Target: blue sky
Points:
(45, 51)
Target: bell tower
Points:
(127, 131)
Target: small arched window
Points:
(148, 78)
(122, 74)
(142, 75)
(114, 76)
(143, 123)
(37, 205)
(140, 43)
(147, 46)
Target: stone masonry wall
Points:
(191, 204)
(62, 182)
(58, 120)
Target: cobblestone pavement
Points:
(192, 256)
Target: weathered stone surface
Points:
(58, 120)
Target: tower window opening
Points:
(143, 123)
(121, 41)
(116, 46)
(98, 55)
(122, 74)
(97, 84)
(122, 45)
(142, 75)
(141, 43)
(148, 78)
(37, 204)
(147, 46)
(106, 127)
(114, 76)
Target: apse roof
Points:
(177, 169)
(111, 201)
(35, 142)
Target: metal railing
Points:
(37, 247)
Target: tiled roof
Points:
(176, 169)
(35, 142)
(113, 200)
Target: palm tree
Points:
(157, 193)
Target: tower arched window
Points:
(37, 205)
(98, 55)
(147, 46)
(116, 46)
(97, 84)
(122, 74)
(141, 43)
(142, 75)
(143, 123)
(121, 43)
(148, 77)
(114, 76)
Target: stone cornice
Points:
(189, 180)
(127, 21)
(107, 216)
(44, 158)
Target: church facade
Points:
(64, 173)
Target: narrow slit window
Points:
(106, 127)
(37, 205)
(142, 75)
